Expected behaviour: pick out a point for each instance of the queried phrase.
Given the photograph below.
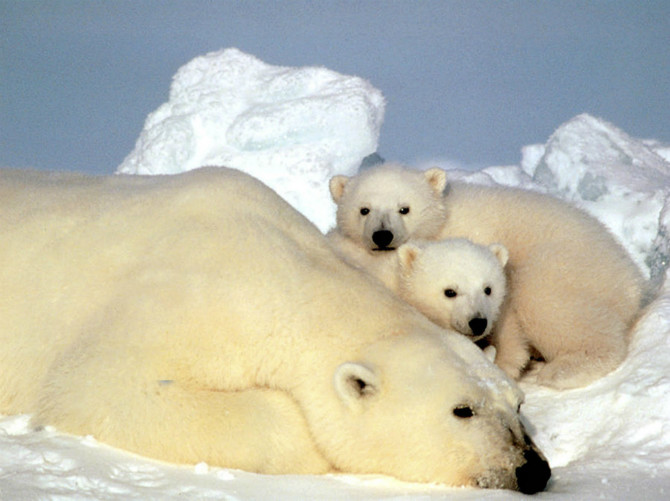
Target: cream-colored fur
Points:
(381, 208)
(398, 204)
(456, 283)
(199, 317)
(574, 293)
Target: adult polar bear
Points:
(199, 317)
(573, 292)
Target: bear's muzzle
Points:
(529, 477)
(533, 475)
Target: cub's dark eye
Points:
(487, 291)
(404, 210)
(450, 293)
(365, 211)
(463, 412)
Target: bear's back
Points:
(207, 248)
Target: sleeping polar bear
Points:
(199, 317)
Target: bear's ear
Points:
(500, 252)
(355, 382)
(336, 185)
(437, 179)
(407, 254)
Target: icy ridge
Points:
(618, 179)
(293, 128)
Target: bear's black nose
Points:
(477, 326)
(533, 475)
(382, 238)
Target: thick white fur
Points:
(456, 283)
(199, 317)
(385, 193)
(574, 293)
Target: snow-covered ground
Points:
(295, 127)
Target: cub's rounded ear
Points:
(437, 179)
(407, 255)
(336, 185)
(500, 252)
(355, 382)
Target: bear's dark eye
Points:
(450, 293)
(463, 411)
(487, 291)
(404, 210)
(365, 211)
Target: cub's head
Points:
(383, 207)
(456, 283)
(433, 409)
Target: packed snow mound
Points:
(617, 178)
(293, 128)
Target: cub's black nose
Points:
(382, 238)
(477, 326)
(533, 475)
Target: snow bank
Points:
(293, 128)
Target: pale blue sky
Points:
(472, 81)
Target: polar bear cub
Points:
(574, 293)
(383, 207)
(456, 283)
(377, 215)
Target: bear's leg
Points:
(572, 323)
(512, 350)
(257, 430)
(574, 370)
(577, 360)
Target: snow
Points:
(294, 128)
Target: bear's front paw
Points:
(563, 375)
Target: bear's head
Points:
(381, 208)
(433, 409)
(456, 283)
